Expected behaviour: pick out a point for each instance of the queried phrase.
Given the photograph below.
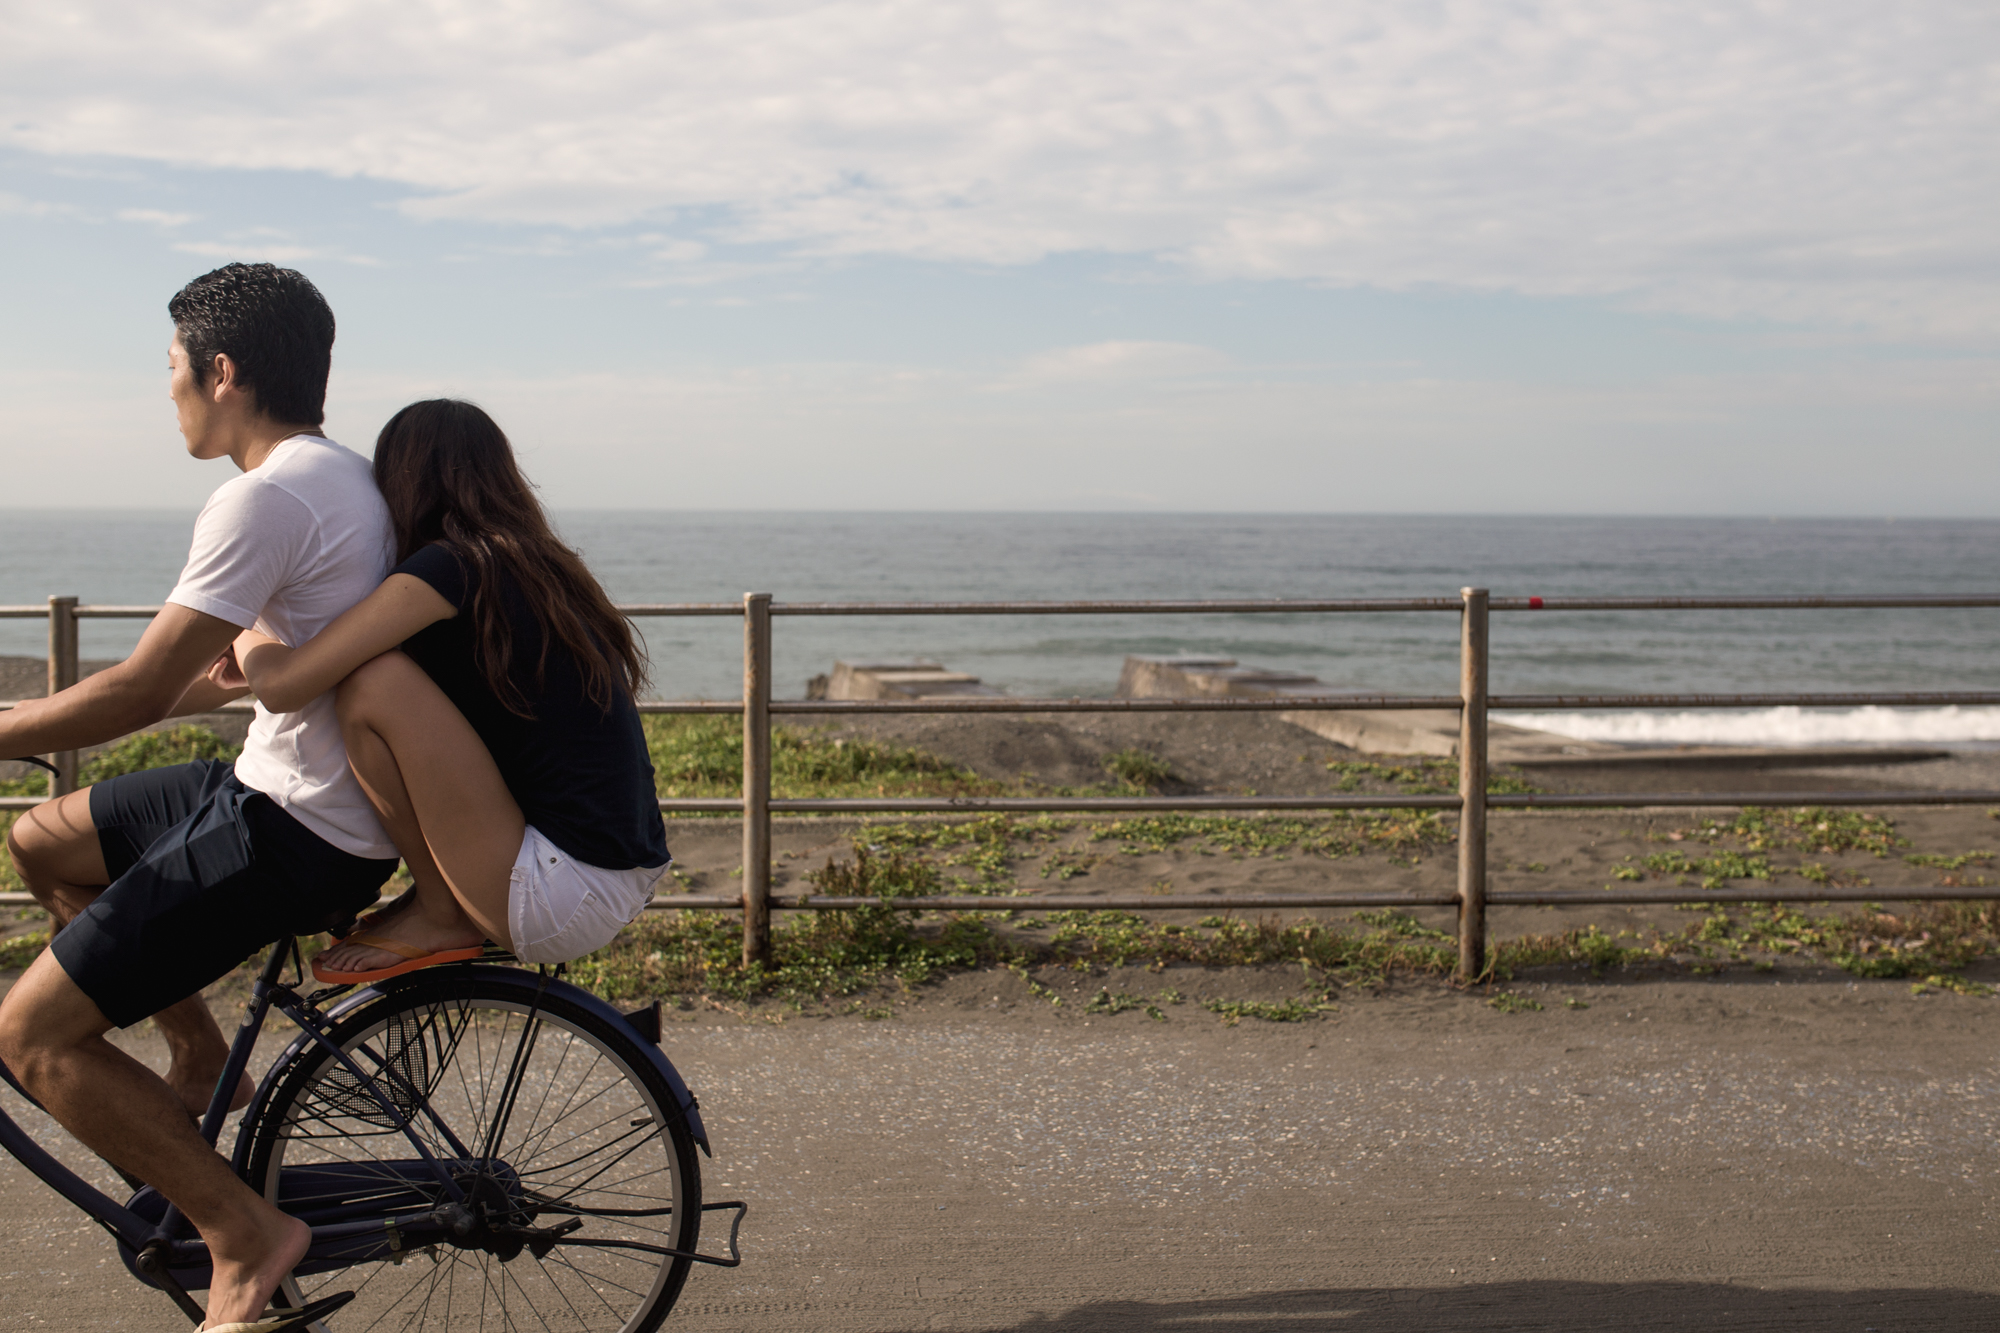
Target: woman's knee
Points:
(375, 683)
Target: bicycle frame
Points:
(162, 1250)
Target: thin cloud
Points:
(155, 217)
(1825, 161)
(269, 252)
(1110, 361)
(14, 205)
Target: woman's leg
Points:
(441, 798)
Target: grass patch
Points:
(696, 755)
(1507, 1002)
(1715, 870)
(1420, 775)
(1808, 829)
(1271, 1011)
(1340, 833)
(1587, 945)
(1139, 769)
(20, 950)
(1940, 862)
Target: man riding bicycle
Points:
(160, 882)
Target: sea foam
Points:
(1774, 726)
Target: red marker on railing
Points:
(1534, 603)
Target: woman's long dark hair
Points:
(449, 476)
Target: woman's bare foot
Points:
(417, 927)
(246, 1277)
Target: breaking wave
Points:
(1774, 726)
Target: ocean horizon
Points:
(132, 556)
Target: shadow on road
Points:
(1560, 1306)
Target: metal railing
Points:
(1473, 703)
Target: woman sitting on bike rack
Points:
(500, 745)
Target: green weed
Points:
(1139, 768)
(1808, 829)
(1420, 775)
(699, 755)
(1271, 1011)
(21, 950)
(1941, 862)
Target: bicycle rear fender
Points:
(529, 984)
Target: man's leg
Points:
(441, 798)
(57, 853)
(52, 1037)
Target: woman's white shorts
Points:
(559, 908)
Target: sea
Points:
(129, 557)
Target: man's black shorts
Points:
(204, 872)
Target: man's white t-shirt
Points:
(285, 549)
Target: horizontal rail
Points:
(1084, 804)
(1089, 804)
(116, 612)
(981, 704)
(1225, 606)
(1904, 699)
(690, 706)
(1385, 801)
(1639, 799)
(1188, 902)
(1226, 903)
(235, 706)
(1928, 893)
(1745, 603)
(1062, 902)
(1185, 606)
(682, 609)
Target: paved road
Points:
(1792, 1153)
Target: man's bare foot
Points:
(195, 1086)
(413, 929)
(247, 1277)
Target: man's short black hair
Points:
(273, 324)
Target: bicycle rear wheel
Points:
(549, 1117)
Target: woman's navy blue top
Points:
(580, 773)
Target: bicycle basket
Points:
(399, 1063)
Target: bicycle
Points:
(435, 1130)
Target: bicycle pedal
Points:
(283, 1321)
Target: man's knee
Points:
(41, 1015)
(55, 850)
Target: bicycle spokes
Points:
(578, 1202)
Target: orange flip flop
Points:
(413, 958)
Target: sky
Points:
(1623, 257)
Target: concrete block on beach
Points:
(917, 678)
(1414, 731)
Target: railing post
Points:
(756, 778)
(1472, 663)
(62, 675)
